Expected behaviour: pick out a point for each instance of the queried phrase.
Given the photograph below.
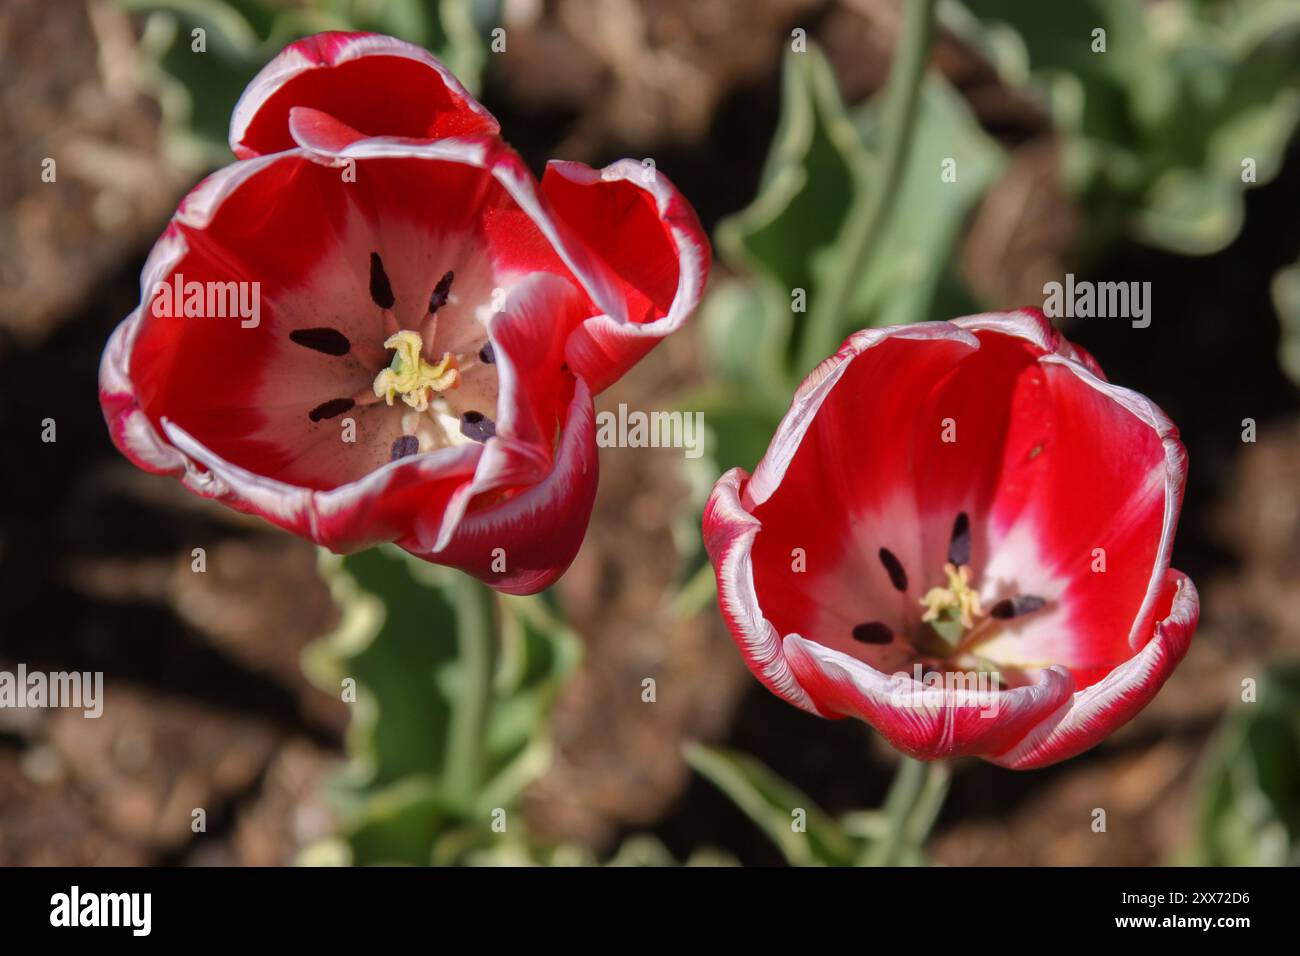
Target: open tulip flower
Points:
(960, 534)
(427, 322)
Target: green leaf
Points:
(539, 652)
(745, 326)
(906, 270)
(774, 806)
(1250, 796)
(821, 171)
(1158, 125)
(816, 165)
(399, 825)
(740, 422)
(430, 761)
(397, 640)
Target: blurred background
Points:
(1124, 164)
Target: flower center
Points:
(411, 376)
(952, 610)
(448, 402)
(954, 623)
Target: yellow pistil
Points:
(410, 376)
(957, 597)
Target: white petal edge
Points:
(1133, 676)
(902, 694)
(814, 389)
(690, 254)
(734, 568)
(291, 61)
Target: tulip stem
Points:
(476, 637)
(861, 235)
(911, 807)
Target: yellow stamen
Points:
(410, 376)
(958, 596)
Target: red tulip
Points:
(960, 534)
(397, 277)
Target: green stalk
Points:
(933, 793)
(910, 809)
(476, 636)
(862, 233)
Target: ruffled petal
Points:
(1097, 711)
(729, 532)
(649, 239)
(375, 84)
(968, 718)
(522, 543)
(835, 502)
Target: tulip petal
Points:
(922, 722)
(839, 503)
(1090, 484)
(1097, 711)
(649, 239)
(377, 507)
(729, 532)
(377, 85)
(535, 391)
(523, 543)
(320, 132)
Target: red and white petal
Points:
(532, 238)
(650, 241)
(729, 532)
(128, 427)
(135, 434)
(1034, 327)
(381, 506)
(528, 336)
(377, 85)
(1089, 487)
(1097, 711)
(535, 392)
(837, 502)
(523, 542)
(319, 132)
(923, 722)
